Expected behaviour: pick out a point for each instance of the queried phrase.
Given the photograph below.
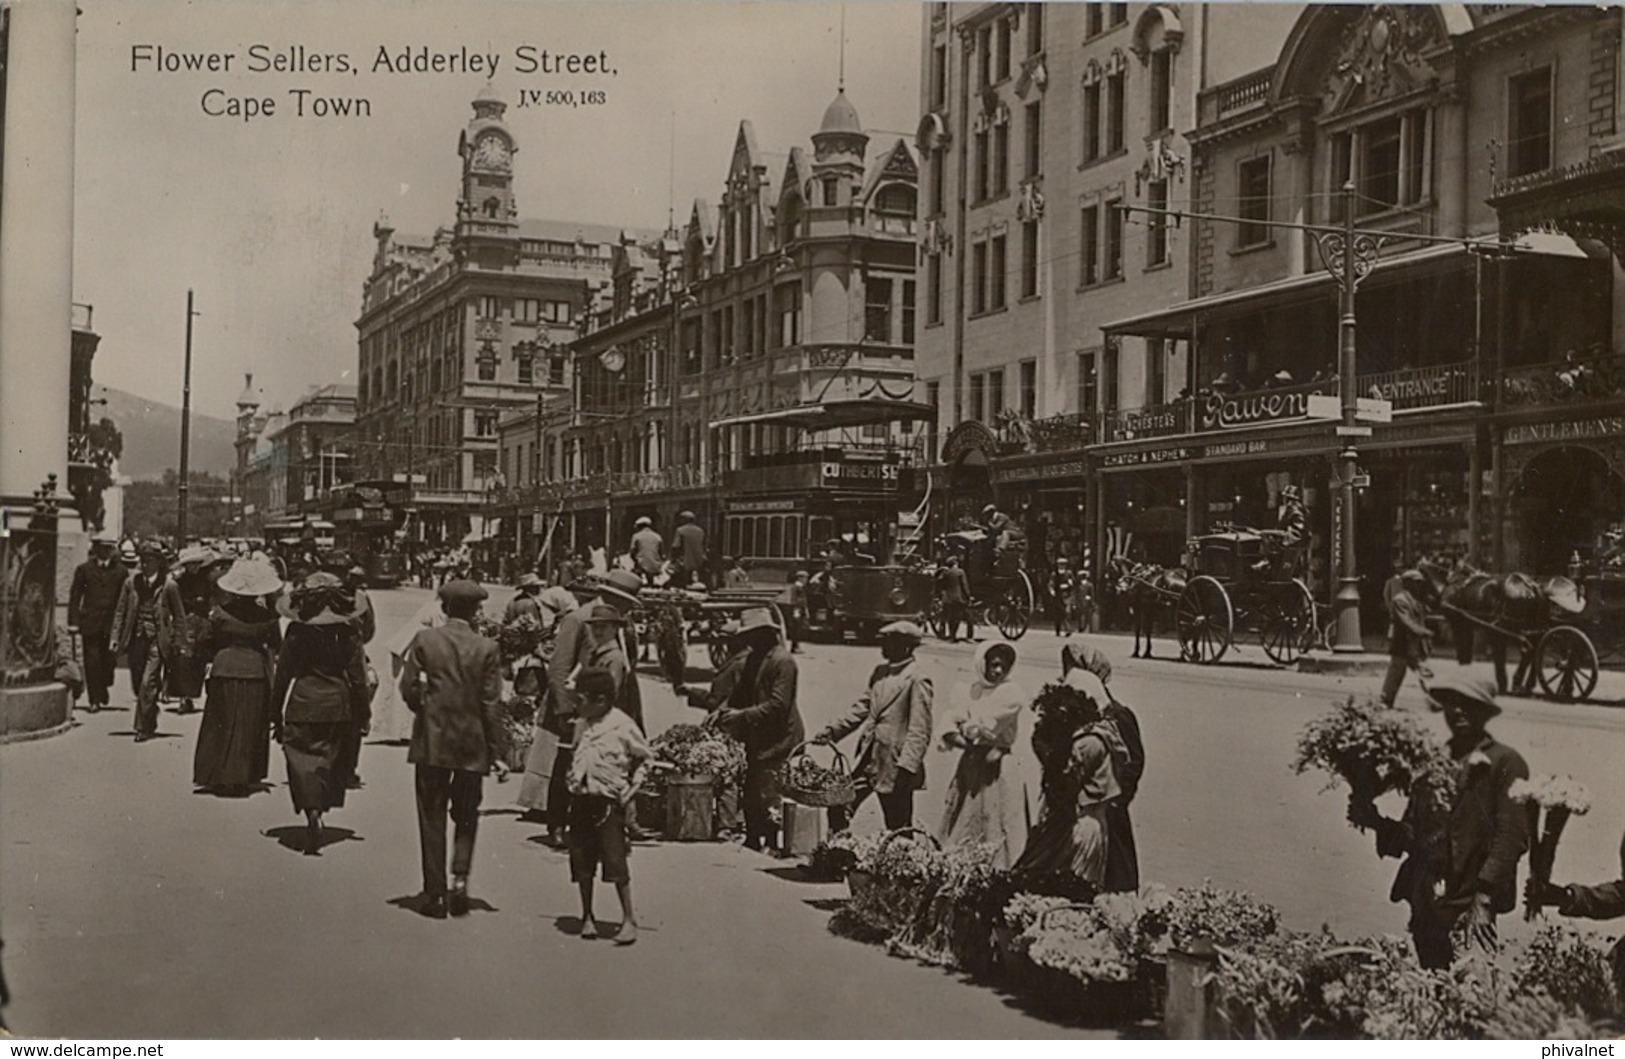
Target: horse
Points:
(1474, 599)
(1147, 588)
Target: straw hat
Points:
(529, 581)
(195, 553)
(250, 577)
(753, 618)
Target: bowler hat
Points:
(462, 591)
(1470, 692)
(623, 585)
(903, 630)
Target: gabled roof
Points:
(704, 218)
(897, 162)
(797, 173)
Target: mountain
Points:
(152, 436)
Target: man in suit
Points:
(453, 685)
(1461, 864)
(92, 602)
(139, 632)
(761, 712)
(893, 721)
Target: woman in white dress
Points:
(986, 800)
(391, 719)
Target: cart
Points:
(676, 618)
(1243, 580)
(1000, 589)
(1570, 648)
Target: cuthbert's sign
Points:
(1225, 412)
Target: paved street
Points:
(133, 907)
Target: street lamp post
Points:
(186, 430)
(1349, 256)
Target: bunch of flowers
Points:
(840, 853)
(1223, 917)
(519, 637)
(1078, 948)
(1375, 749)
(1560, 797)
(517, 729)
(700, 750)
(1570, 968)
(953, 921)
(1023, 910)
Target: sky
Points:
(270, 220)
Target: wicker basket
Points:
(843, 793)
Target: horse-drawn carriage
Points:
(1565, 632)
(1234, 579)
(1001, 592)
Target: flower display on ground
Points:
(700, 750)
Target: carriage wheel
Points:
(1567, 663)
(1289, 622)
(1204, 620)
(1014, 610)
(718, 650)
(934, 619)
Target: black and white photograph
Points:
(536, 520)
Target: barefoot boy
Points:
(610, 758)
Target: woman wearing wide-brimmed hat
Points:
(241, 642)
(185, 614)
(320, 687)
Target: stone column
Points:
(36, 338)
(36, 247)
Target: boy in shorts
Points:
(605, 773)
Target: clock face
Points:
(612, 359)
(491, 151)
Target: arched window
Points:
(493, 207)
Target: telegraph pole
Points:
(186, 431)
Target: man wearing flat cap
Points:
(453, 685)
(648, 549)
(1461, 864)
(92, 602)
(688, 546)
(893, 722)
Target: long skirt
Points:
(234, 739)
(183, 674)
(985, 805)
(316, 778)
(1068, 842)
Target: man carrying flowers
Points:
(1461, 848)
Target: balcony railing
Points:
(604, 484)
(1243, 92)
(1446, 384)
(1576, 379)
(1057, 433)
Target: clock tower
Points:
(487, 232)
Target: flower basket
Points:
(858, 882)
(900, 880)
(806, 782)
(649, 808)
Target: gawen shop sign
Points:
(1228, 411)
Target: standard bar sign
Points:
(752, 506)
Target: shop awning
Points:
(837, 415)
(1179, 321)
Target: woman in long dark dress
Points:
(319, 675)
(186, 613)
(242, 637)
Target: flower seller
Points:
(1461, 862)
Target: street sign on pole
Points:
(1324, 406)
(1353, 432)
(1373, 410)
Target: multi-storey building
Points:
(287, 461)
(1041, 121)
(1442, 130)
(459, 329)
(757, 366)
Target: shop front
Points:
(1563, 488)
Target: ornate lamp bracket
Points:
(1335, 250)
